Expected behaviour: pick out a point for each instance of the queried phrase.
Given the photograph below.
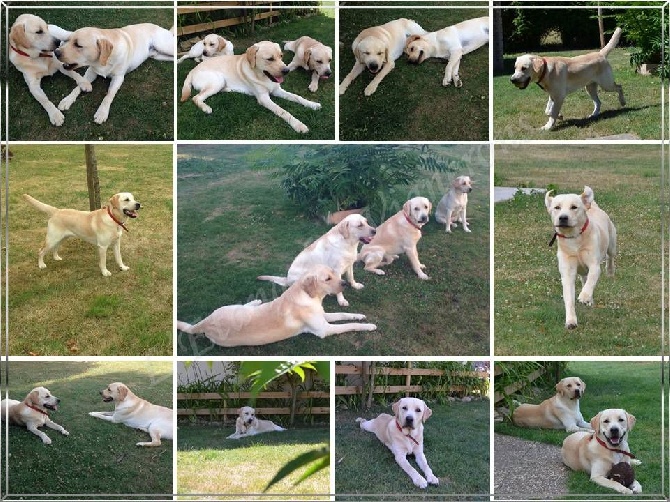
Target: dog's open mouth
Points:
(376, 70)
(52, 407)
(277, 80)
(324, 77)
(365, 240)
(70, 67)
(615, 441)
(130, 213)
(521, 84)
(107, 399)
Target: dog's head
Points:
(417, 49)
(526, 70)
(124, 203)
(213, 44)
(42, 398)
(571, 387)
(248, 416)
(410, 412)
(85, 47)
(355, 227)
(568, 211)
(321, 281)
(612, 425)
(418, 210)
(116, 392)
(31, 34)
(266, 58)
(318, 58)
(462, 184)
(372, 52)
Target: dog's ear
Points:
(548, 199)
(407, 207)
(430, 207)
(631, 420)
(412, 39)
(123, 392)
(329, 51)
(311, 286)
(222, 44)
(395, 407)
(344, 229)
(559, 388)
(595, 422)
(305, 57)
(251, 55)
(583, 385)
(537, 64)
(587, 197)
(33, 397)
(357, 54)
(426, 414)
(105, 48)
(386, 55)
(18, 36)
(114, 201)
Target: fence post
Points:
(371, 388)
(408, 377)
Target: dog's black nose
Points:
(57, 53)
(563, 218)
(373, 66)
(285, 70)
(328, 73)
(373, 231)
(409, 419)
(343, 284)
(57, 400)
(100, 393)
(423, 219)
(138, 205)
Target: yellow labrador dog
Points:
(399, 234)
(586, 237)
(451, 43)
(137, 413)
(596, 453)
(558, 412)
(377, 48)
(298, 310)
(453, 206)
(33, 412)
(311, 55)
(338, 249)
(210, 46)
(31, 46)
(101, 228)
(112, 53)
(258, 72)
(248, 425)
(403, 435)
(559, 76)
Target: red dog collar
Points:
(41, 55)
(544, 72)
(115, 220)
(556, 234)
(406, 435)
(411, 222)
(616, 450)
(37, 409)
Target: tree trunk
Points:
(92, 180)
(498, 50)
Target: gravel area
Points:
(528, 470)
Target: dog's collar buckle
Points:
(37, 409)
(119, 223)
(556, 234)
(406, 435)
(41, 55)
(411, 223)
(616, 450)
(542, 74)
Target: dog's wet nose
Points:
(138, 205)
(285, 70)
(57, 52)
(563, 218)
(373, 231)
(58, 400)
(423, 219)
(343, 284)
(373, 66)
(328, 73)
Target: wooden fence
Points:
(249, 16)
(368, 370)
(224, 404)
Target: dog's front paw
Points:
(300, 127)
(343, 302)
(446, 82)
(46, 439)
(313, 87)
(432, 480)
(85, 86)
(370, 327)
(56, 117)
(467, 229)
(106, 273)
(357, 285)
(571, 324)
(457, 82)
(370, 89)
(423, 276)
(124, 268)
(100, 116)
(585, 298)
(64, 432)
(636, 487)
(378, 272)
(420, 482)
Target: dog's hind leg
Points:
(592, 89)
(51, 244)
(451, 71)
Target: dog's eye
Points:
(379, 54)
(319, 61)
(557, 207)
(39, 32)
(418, 410)
(573, 207)
(607, 420)
(621, 419)
(404, 408)
(271, 59)
(328, 278)
(411, 49)
(76, 44)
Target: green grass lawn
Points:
(410, 103)
(143, 109)
(209, 464)
(235, 223)
(519, 114)
(634, 386)
(456, 445)
(239, 116)
(529, 310)
(69, 308)
(97, 457)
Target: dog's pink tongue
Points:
(324, 77)
(279, 79)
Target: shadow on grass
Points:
(206, 437)
(604, 115)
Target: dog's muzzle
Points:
(520, 82)
(373, 68)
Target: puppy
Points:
(31, 44)
(338, 249)
(558, 412)
(112, 53)
(596, 453)
(33, 412)
(453, 205)
(559, 76)
(298, 310)
(137, 413)
(399, 234)
(248, 425)
(311, 55)
(403, 435)
(377, 48)
(258, 72)
(451, 43)
(586, 237)
(210, 46)
(101, 228)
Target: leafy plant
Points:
(333, 178)
(644, 29)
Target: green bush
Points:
(643, 29)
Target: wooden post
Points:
(408, 377)
(498, 49)
(92, 180)
(371, 388)
(601, 28)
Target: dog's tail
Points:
(186, 327)
(282, 281)
(186, 90)
(612, 43)
(289, 45)
(278, 427)
(45, 208)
